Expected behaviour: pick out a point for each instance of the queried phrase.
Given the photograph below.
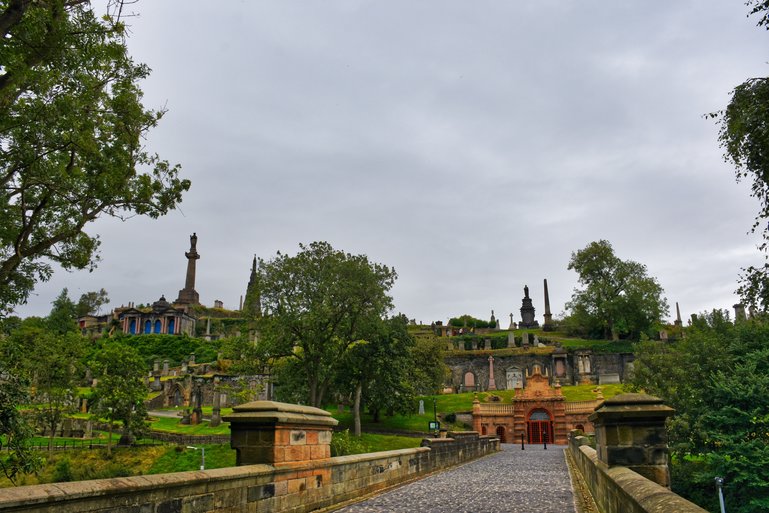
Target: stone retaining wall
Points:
(290, 487)
(620, 490)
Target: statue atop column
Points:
(188, 295)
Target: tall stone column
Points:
(630, 432)
(548, 324)
(188, 295)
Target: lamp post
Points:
(202, 455)
(720, 486)
(435, 414)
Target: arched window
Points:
(158, 325)
(147, 327)
(171, 325)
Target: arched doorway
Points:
(483, 430)
(540, 427)
(501, 434)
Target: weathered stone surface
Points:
(511, 480)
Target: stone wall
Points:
(619, 489)
(290, 487)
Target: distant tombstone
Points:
(474, 344)
(487, 344)
(514, 378)
(165, 367)
(469, 381)
(512, 324)
(525, 337)
(156, 366)
(608, 378)
(185, 417)
(536, 340)
(421, 407)
(663, 335)
(184, 367)
(510, 339)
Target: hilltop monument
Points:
(548, 324)
(188, 295)
(527, 311)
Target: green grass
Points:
(171, 425)
(180, 459)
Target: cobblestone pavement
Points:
(530, 481)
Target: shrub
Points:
(343, 443)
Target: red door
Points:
(540, 427)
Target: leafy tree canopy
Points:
(72, 127)
(316, 305)
(744, 137)
(617, 296)
(90, 303)
(716, 379)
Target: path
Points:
(530, 481)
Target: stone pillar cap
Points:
(272, 412)
(630, 406)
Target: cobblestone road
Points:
(530, 481)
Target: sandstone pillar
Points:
(630, 432)
(268, 432)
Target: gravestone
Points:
(487, 344)
(421, 407)
(165, 368)
(525, 339)
(514, 378)
(511, 339)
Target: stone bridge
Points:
(284, 465)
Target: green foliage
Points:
(120, 389)
(343, 443)
(14, 431)
(317, 304)
(618, 298)
(175, 348)
(744, 137)
(716, 379)
(468, 321)
(428, 370)
(90, 303)
(72, 129)
(62, 317)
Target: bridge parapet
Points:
(628, 470)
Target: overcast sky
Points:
(472, 146)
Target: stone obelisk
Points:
(188, 295)
(548, 324)
(678, 321)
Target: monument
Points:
(527, 311)
(548, 324)
(678, 323)
(188, 295)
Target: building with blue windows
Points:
(162, 318)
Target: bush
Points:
(343, 443)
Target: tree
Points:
(72, 127)
(120, 390)
(15, 433)
(62, 317)
(90, 303)
(50, 363)
(744, 137)
(317, 304)
(716, 379)
(377, 370)
(618, 297)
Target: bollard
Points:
(522, 447)
(545, 439)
